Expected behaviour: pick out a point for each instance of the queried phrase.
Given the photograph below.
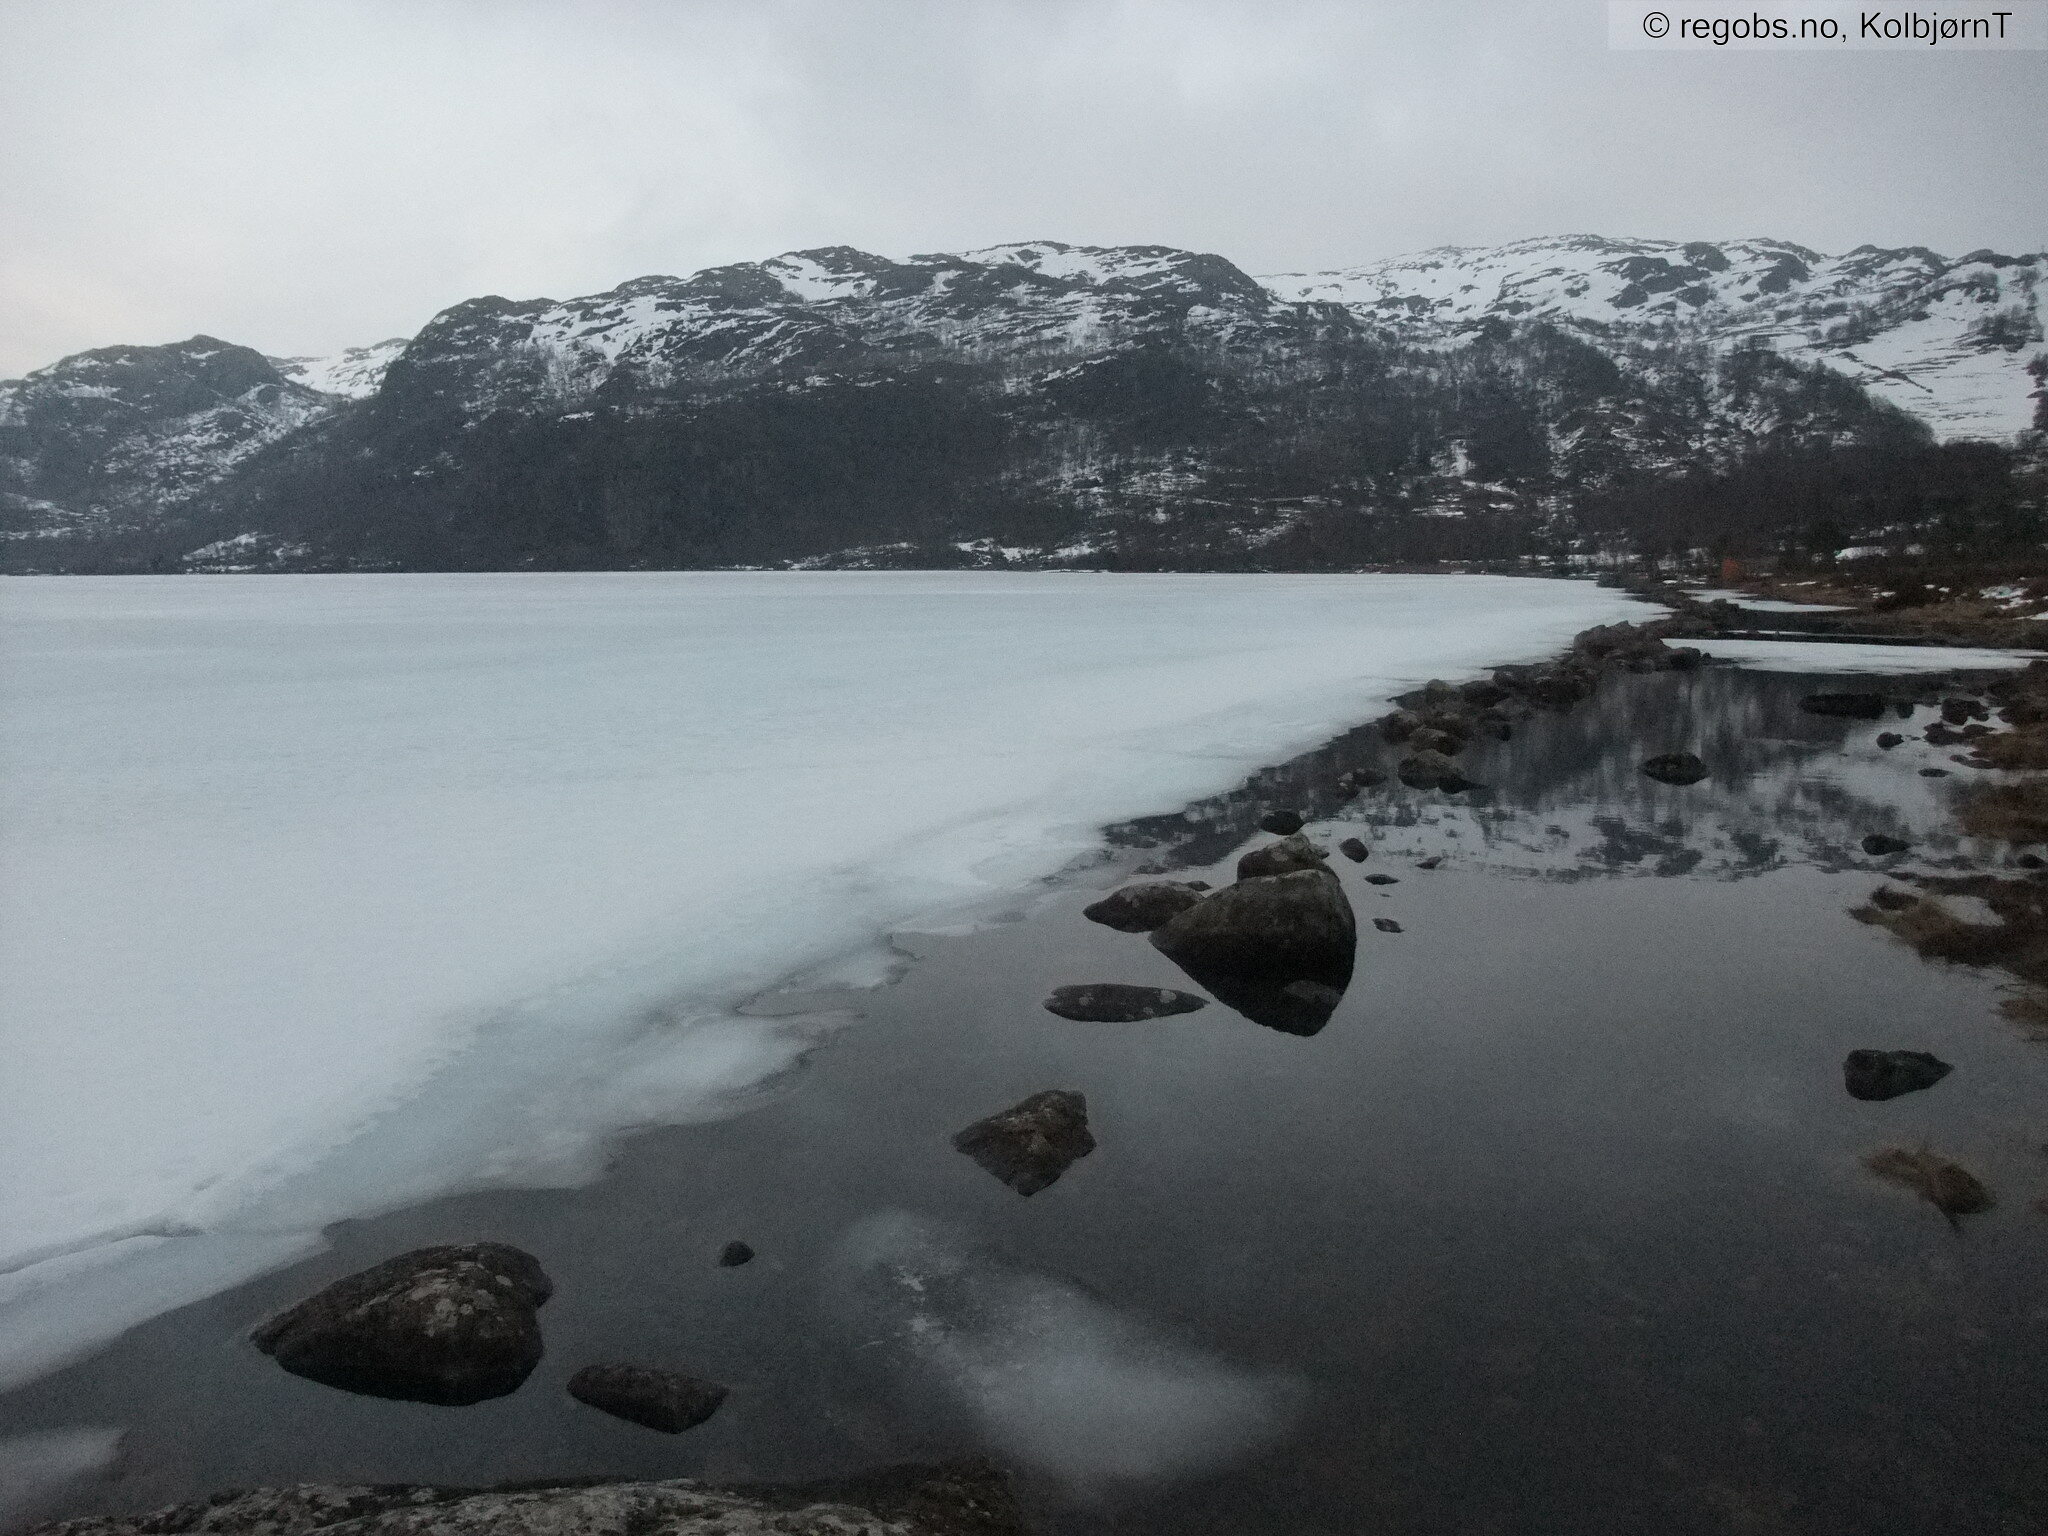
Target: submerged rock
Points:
(1281, 858)
(1386, 925)
(1143, 907)
(1112, 1002)
(1382, 879)
(1878, 845)
(1249, 943)
(1948, 1187)
(1282, 822)
(448, 1325)
(655, 1399)
(1431, 862)
(1889, 898)
(1962, 711)
(1427, 770)
(1354, 850)
(734, 1254)
(1889, 739)
(1675, 768)
(1855, 706)
(1032, 1143)
(1875, 1075)
(959, 1499)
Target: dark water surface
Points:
(1557, 1227)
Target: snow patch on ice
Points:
(1053, 1378)
(1831, 656)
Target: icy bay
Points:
(322, 895)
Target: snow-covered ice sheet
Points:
(1849, 656)
(1766, 604)
(326, 894)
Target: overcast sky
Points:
(303, 175)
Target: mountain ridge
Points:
(1036, 396)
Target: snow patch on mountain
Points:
(1947, 340)
(354, 374)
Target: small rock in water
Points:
(665, 1400)
(1382, 880)
(1858, 706)
(1889, 898)
(1386, 925)
(1878, 845)
(734, 1254)
(1282, 822)
(449, 1325)
(1281, 858)
(1889, 739)
(1427, 770)
(1962, 711)
(1933, 773)
(1675, 768)
(1948, 1187)
(1353, 850)
(1032, 1143)
(1141, 908)
(1112, 1002)
(2031, 861)
(1877, 1075)
(1431, 862)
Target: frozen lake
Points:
(323, 895)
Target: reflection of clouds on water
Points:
(34, 1468)
(1565, 797)
(1054, 1379)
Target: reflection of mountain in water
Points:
(1565, 798)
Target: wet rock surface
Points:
(1354, 850)
(1141, 908)
(734, 1254)
(957, 1499)
(1113, 1002)
(1282, 858)
(1249, 942)
(1282, 822)
(668, 1401)
(1029, 1145)
(1876, 1075)
(448, 1325)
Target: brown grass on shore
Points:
(2016, 812)
(2025, 749)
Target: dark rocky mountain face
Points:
(1036, 404)
(108, 441)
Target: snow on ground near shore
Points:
(323, 895)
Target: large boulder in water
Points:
(1277, 948)
(1031, 1143)
(448, 1325)
(1281, 858)
(1115, 1002)
(1141, 908)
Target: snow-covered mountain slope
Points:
(1948, 340)
(820, 308)
(107, 438)
(354, 374)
